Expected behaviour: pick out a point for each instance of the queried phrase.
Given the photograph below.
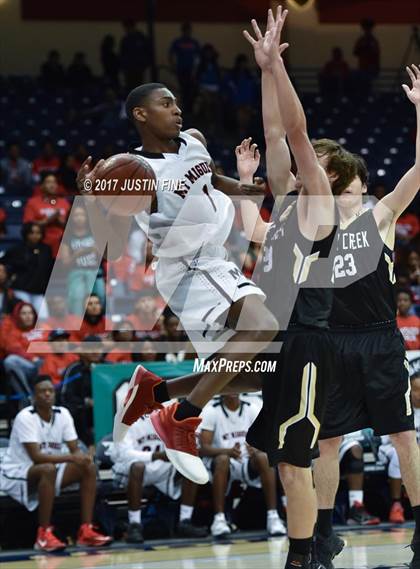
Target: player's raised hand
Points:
(272, 46)
(263, 44)
(247, 159)
(414, 93)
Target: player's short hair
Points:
(340, 162)
(362, 169)
(138, 96)
(40, 378)
(323, 146)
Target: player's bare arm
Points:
(314, 178)
(388, 210)
(38, 457)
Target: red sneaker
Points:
(140, 400)
(88, 537)
(396, 515)
(47, 541)
(180, 442)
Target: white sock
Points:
(284, 501)
(219, 516)
(272, 514)
(355, 496)
(134, 516)
(185, 512)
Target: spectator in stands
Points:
(184, 55)
(110, 62)
(17, 332)
(209, 86)
(80, 257)
(223, 430)
(352, 469)
(147, 352)
(413, 266)
(36, 467)
(15, 171)
(146, 317)
(178, 345)
(334, 77)
(8, 299)
(94, 321)
(59, 316)
(56, 362)
(106, 114)
(67, 173)
(368, 53)
(49, 211)
(407, 322)
(76, 391)
(242, 93)
(79, 74)
(3, 229)
(140, 461)
(123, 332)
(48, 161)
(52, 71)
(30, 264)
(135, 55)
(407, 228)
(387, 454)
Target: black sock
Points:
(294, 560)
(324, 523)
(186, 410)
(416, 514)
(300, 547)
(161, 392)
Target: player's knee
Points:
(356, 452)
(291, 476)
(329, 447)
(352, 462)
(47, 470)
(403, 440)
(221, 463)
(260, 461)
(137, 470)
(266, 327)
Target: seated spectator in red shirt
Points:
(59, 316)
(49, 211)
(59, 359)
(17, 332)
(408, 323)
(8, 299)
(146, 317)
(147, 352)
(94, 321)
(48, 161)
(178, 346)
(30, 264)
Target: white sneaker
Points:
(275, 526)
(220, 527)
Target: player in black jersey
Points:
(296, 249)
(372, 387)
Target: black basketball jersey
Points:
(293, 272)
(363, 276)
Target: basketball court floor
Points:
(366, 549)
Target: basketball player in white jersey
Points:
(42, 458)
(228, 458)
(188, 228)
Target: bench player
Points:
(371, 387)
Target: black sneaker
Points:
(360, 517)
(415, 546)
(302, 562)
(187, 529)
(134, 533)
(326, 548)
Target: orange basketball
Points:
(125, 184)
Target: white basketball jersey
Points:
(140, 443)
(190, 211)
(229, 427)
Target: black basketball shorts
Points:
(294, 398)
(371, 386)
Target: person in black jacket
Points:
(30, 264)
(76, 391)
(8, 299)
